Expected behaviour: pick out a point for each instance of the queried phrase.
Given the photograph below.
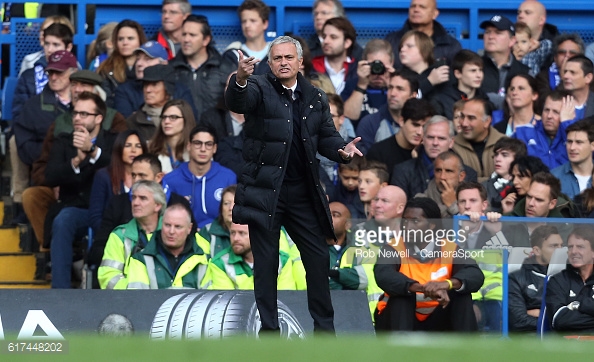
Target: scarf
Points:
(153, 114)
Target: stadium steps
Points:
(17, 268)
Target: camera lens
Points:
(377, 67)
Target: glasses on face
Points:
(198, 144)
(49, 73)
(173, 117)
(567, 52)
(83, 114)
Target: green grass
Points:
(401, 347)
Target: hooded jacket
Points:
(204, 193)
(525, 293)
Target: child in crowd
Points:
(506, 150)
(346, 191)
(372, 177)
(524, 41)
(529, 50)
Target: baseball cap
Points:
(153, 50)
(86, 76)
(500, 22)
(61, 61)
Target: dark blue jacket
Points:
(553, 154)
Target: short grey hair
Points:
(184, 5)
(338, 7)
(439, 119)
(155, 189)
(286, 39)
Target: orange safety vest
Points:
(437, 269)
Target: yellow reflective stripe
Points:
(374, 297)
(150, 270)
(230, 270)
(137, 285)
(113, 264)
(113, 281)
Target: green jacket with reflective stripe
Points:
(149, 268)
(113, 270)
(217, 235)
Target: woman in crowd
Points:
(119, 66)
(521, 170)
(217, 232)
(102, 47)
(116, 178)
(522, 96)
(416, 54)
(170, 142)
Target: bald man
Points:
(389, 205)
(534, 14)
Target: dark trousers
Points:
(295, 211)
(399, 315)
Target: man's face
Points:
(498, 41)
(380, 80)
(567, 49)
(321, 13)
(398, 93)
(522, 46)
(336, 118)
(284, 62)
(579, 148)
(502, 160)
(202, 148)
(143, 204)
(349, 179)
(240, 239)
(532, 14)
(59, 81)
(341, 218)
(414, 219)
(155, 94)
(422, 12)
(193, 42)
(412, 130)
(91, 121)
(52, 44)
(172, 17)
(470, 200)
(143, 171)
(175, 228)
(574, 78)
(144, 61)
(77, 87)
(538, 200)
(474, 128)
(228, 202)
(369, 185)
(388, 205)
(551, 116)
(549, 245)
(334, 43)
(471, 76)
(252, 25)
(448, 172)
(437, 139)
(579, 252)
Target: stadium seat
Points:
(7, 95)
(558, 263)
(516, 258)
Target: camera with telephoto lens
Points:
(377, 67)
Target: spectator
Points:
(475, 143)
(521, 170)
(534, 14)
(576, 175)
(30, 59)
(471, 199)
(337, 112)
(421, 17)
(372, 177)
(449, 172)
(522, 97)
(173, 14)
(590, 52)
(526, 284)
(569, 293)
(129, 95)
(199, 66)
(201, 180)
(322, 11)
(530, 51)
(217, 232)
(500, 63)
(565, 46)
(416, 54)
(505, 152)
(127, 36)
(397, 149)
(367, 93)
(457, 116)
(232, 268)
(116, 178)
(173, 258)
(158, 88)
(346, 191)
(577, 77)
(170, 141)
(253, 15)
(468, 71)
(101, 48)
(546, 139)
(339, 37)
(378, 126)
(74, 159)
(414, 299)
(148, 204)
(414, 175)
